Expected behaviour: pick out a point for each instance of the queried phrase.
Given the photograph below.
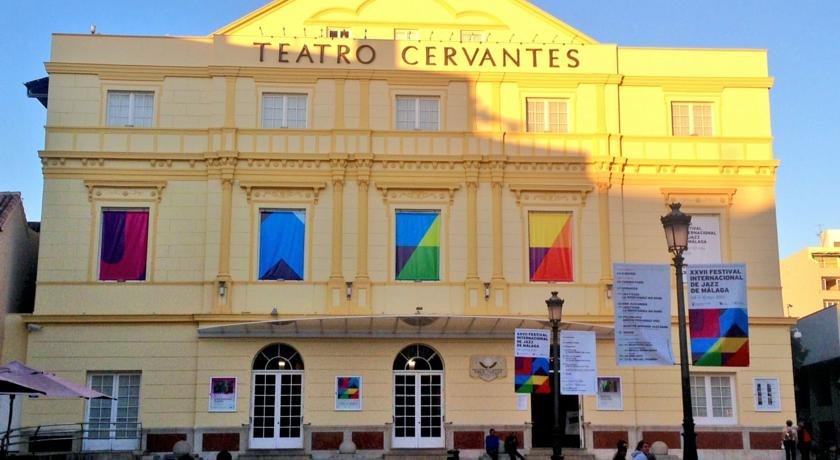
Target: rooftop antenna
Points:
(819, 232)
(93, 29)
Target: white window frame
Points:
(284, 111)
(707, 395)
(692, 120)
(133, 95)
(416, 121)
(546, 115)
(112, 442)
(406, 34)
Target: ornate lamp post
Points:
(676, 232)
(555, 313)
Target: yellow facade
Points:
(205, 167)
(811, 277)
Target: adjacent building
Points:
(323, 222)
(18, 258)
(817, 373)
(811, 277)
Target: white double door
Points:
(277, 410)
(418, 410)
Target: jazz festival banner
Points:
(531, 354)
(348, 393)
(578, 364)
(703, 240)
(717, 314)
(642, 315)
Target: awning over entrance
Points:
(382, 326)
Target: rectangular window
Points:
(473, 36)
(831, 283)
(124, 241)
(712, 399)
(547, 115)
(550, 246)
(130, 108)
(282, 244)
(113, 424)
(828, 261)
(418, 113)
(417, 245)
(406, 34)
(284, 111)
(338, 32)
(691, 118)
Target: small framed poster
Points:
(348, 393)
(767, 395)
(609, 393)
(222, 394)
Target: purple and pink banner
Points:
(125, 238)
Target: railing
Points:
(71, 438)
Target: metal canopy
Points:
(393, 326)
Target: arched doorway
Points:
(418, 398)
(277, 398)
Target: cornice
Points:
(710, 84)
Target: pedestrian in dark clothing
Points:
(805, 439)
(511, 444)
(491, 445)
(789, 440)
(621, 450)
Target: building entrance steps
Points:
(272, 454)
(568, 454)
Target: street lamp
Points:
(555, 312)
(676, 232)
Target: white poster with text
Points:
(532, 343)
(703, 240)
(578, 365)
(642, 315)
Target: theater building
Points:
(323, 222)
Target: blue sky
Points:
(802, 39)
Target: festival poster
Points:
(578, 363)
(717, 313)
(642, 315)
(703, 240)
(531, 355)
(348, 393)
(222, 394)
(609, 393)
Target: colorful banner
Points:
(531, 354)
(578, 363)
(125, 237)
(550, 246)
(282, 242)
(418, 246)
(717, 314)
(703, 240)
(348, 393)
(222, 394)
(642, 315)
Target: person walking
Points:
(621, 450)
(805, 438)
(491, 445)
(789, 440)
(642, 451)
(511, 444)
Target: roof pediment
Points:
(502, 20)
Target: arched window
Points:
(278, 357)
(418, 357)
